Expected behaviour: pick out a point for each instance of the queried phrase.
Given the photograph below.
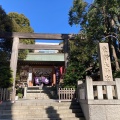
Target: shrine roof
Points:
(45, 57)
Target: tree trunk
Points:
(115, 58)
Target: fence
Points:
(67, 94)
(5, 94)
(99, 89)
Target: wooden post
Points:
(13, 62)
(54, 78)
(66, 52)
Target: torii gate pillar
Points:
(66, 53)
(13, 62)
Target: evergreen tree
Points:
(21, 24)
(5, 51)
(13, 22)
(80, 58)
(100, 22)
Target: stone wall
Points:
(101, 110)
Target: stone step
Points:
(40, 103)
(34, 91)
(33, 88)
(37, 90)
(43, 114)
(38, 111)
(52, 115)
(23, 102)
(81, 118)
(38, 97)
(41, 95)
(33, 94)
(44, 88)
(37, 107)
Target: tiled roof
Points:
(44, 57)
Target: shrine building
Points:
(42, 62)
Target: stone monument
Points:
(104, 62)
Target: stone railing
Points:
(100, 100)
(99, 89)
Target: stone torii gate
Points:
(16, 36)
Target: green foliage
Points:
(5, 51)
(100, 22)
(13, 22)
(80, 58)
(81, 50)
(5, 26)
(116, 74)
(21, 24)
(75, 72)
(6, 79)
(77, 12)
(97, 21)
(19, 92)
(5, 22)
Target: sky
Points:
(46, 16)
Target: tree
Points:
(74, 72)
(6, 79)
(21, 24)
(100, 22)
(5, 26)
(80, 58)
(13, 22)
(5, 51)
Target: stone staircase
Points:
(38, 92)
(40, 110)
(40, 105)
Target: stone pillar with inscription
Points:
(104, 62)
